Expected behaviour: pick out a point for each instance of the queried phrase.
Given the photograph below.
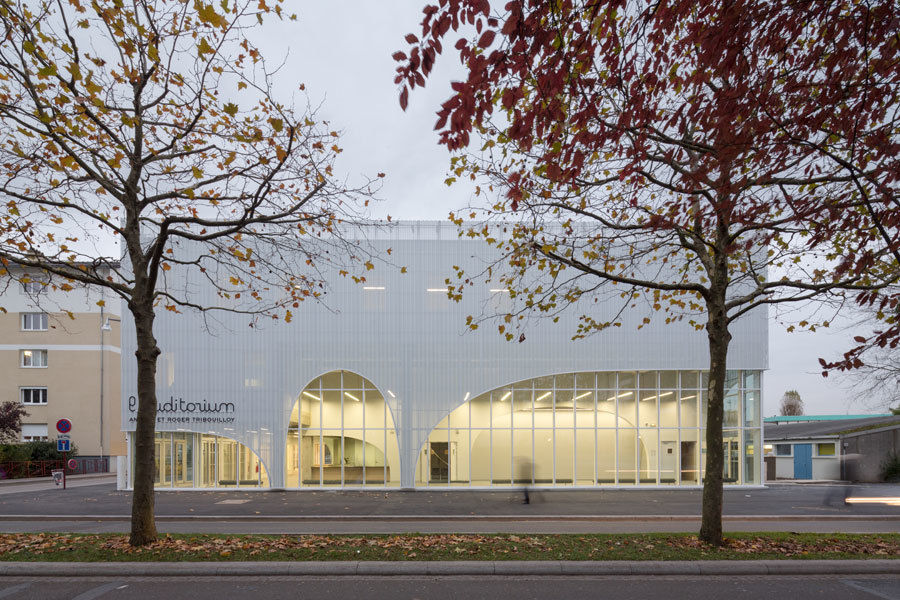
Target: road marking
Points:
(14, 589)
(867, 590)
(233, 501)
(97, 591)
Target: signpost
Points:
(63, 443)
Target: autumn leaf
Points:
(204, 48)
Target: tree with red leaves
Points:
(11, 415)
(712, 158)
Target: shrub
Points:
(32, 451)
(890, 469)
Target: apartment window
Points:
(783, 449)
(825, 449)
(34, 321)
(34, 432)
(34, 395)
(34, 358)
(34, 286)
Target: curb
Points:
(451, 518)
(449, 568)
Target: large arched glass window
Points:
(588, 429)
(341, 433)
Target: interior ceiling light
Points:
(689, 397)
(542, 396)
(624, 394)
(467, 397)
(584, 395)
(351, 396)
(436, 290)
(374, 287)
(391, 393)
(505, 396)
(499, 291)
(314, 397)
(665, 394)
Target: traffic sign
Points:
(72, 464)
(63, 445)
(64, 426)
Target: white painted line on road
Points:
(98, 591)
(233, 501)
(862, 588)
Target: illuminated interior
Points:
(341, 433)
(589, 429)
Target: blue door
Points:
(802, 461)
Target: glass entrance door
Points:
(163, 462)
(183, 459)
(439, 459)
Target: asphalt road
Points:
(796, 500)
(440, 588)
(96, 507)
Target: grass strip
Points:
(432, 547)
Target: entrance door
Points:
(802, 461)
(183, 463)
(163, 462)
(439, 461)
(689, 472)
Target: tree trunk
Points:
(719, 338)
(143, 525)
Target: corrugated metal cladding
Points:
(411, 343)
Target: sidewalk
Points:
(45, 484)
(107, 477)
(451, 568)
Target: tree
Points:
(154, 123)
(791, 404)
(11, 415)
(709, 158)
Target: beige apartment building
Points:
(60, 357)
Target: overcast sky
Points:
(341, 50)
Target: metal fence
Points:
(23, 469)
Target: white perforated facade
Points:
(383, 385)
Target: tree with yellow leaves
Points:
(153, 124)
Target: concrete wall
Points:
(869, 450)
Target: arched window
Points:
(601, 428)
(341, 433)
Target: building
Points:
(830, 447)
(384, 386)
(60, 357)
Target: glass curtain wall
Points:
(341, 433)
(588, 429)
(187, 460)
